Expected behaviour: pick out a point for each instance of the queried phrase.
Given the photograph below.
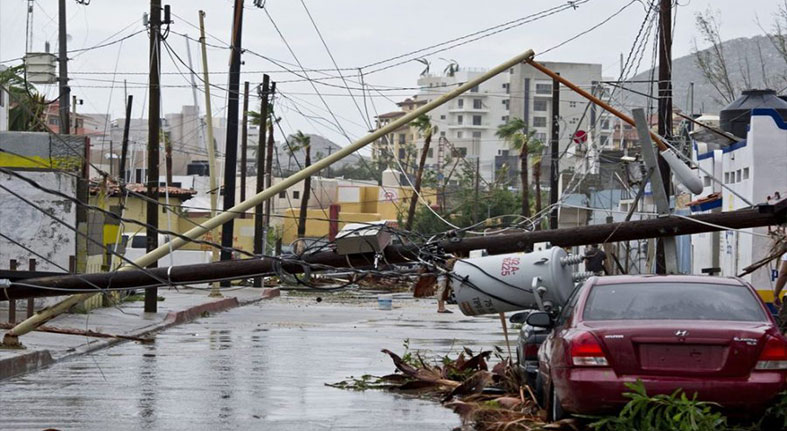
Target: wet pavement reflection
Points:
(262, 366)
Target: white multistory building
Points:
(466, 126)
(755, 170)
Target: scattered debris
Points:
(82, 332)
(270, 292)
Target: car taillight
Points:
(585, 351)
(531, 350)
(773, 356)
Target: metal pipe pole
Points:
(210, 144)
(50, 312)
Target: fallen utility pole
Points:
(11, 338)
(763, 215)
(83, 333)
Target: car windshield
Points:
(678, 301)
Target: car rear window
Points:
(678, 301)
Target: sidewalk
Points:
(179, 306)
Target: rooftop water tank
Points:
(736, 116)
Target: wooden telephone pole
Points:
(261, 168)
(664, 109)
(231, 150)
(154, 114)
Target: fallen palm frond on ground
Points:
(486, 399)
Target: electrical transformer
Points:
(517, 281)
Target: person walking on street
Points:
(594, 260)
(777, 300)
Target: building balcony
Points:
(469, 126)
(468, 110)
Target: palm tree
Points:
(27, 107)
(536, 148)
(423, 124)
(303, 142)
(515, 133)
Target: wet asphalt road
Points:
(257, 367)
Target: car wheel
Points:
(556, 411)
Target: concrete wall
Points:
(32, 228)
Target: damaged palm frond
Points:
(484, 399)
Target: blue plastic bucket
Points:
(385, 302)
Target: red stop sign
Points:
(580, 137)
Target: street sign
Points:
(580, 137)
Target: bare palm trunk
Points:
(525, 183)
(307, 185)
(537, 175)
(417, 186)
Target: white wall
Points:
(31, 227)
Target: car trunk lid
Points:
(681, 348)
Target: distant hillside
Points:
(743, 59)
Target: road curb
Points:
(38, 359)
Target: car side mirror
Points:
(539, 319)
(520, 317)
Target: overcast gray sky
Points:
(357, 32)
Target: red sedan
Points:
(709, 335)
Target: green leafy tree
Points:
(515, 133)
(27, 107)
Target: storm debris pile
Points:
(485, 399)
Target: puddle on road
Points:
(227, 372)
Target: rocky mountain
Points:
(751, 63)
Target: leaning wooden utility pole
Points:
(211, 146)
(664, 109)
(554, 154)
(11, 338)
(154, 114)
(231, 150)
(124, 147)
(244, 141)
(418, 177)
(258, 217)
(65, 91)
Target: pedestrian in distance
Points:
(594, 260)
(777, 291)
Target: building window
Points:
(604, 140)
(401, 153)
(507, 103)
(402, 139)
(459, 119)
(459, 134)
(507, 87)
(282, 195)
(511, 70)
(605, 124)
(541, 137)
(474, 89)
(462, 151)
(296, 194)
(726, 178)
(442, 117)
(706, 181)
(54, 121)
(2, 100)
(539, 121)
(477, 135)
(540, 105)
(430, 153)
(477, 104)
(572, 104)
(503, 153)
(460, 103)
(504, 118)
(745, 173)
(442, 134)
(476, 120)
(738, 176)
(543, 88)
